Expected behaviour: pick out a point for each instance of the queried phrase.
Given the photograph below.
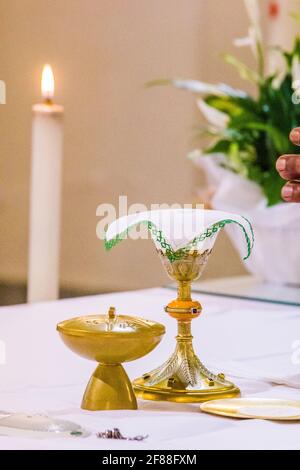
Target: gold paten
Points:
(183, 378)
(110, 340)
(255, 408)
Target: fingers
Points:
(291, 192)
(295, 136)
(288, 166)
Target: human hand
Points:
(288, 166)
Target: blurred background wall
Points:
(119, 137)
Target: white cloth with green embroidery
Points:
(175, 230)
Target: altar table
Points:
(256, 344)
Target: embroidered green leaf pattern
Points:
(174, 255)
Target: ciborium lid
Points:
(110, 324)
(111, 338)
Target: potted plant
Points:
(247, 134)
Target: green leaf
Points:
(290, 55)
(233, 107)
(281, 141)
(194, 86)
(271, 185)
(245, 72)
(296, 16)
(224, 104)
(222, 146)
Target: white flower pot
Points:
(276, 254)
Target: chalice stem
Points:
(184, 331)
(183, 377)
(184, 291)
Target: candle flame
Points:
(47, 84)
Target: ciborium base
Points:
(109, 388)
(183, 378)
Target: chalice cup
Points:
(183, 378)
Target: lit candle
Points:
(46, 161)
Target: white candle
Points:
(46, 161)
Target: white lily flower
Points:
(194, 155)
(215, 117)
(255, 32)
(195, 86)
(253, 10)
(229, 91)
(243, 42)
(256, 37)
(277, 67)
(296, 70)
(296, 79)
(280, 76)
(248, 41)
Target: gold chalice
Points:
(110, 340)
(183, 377)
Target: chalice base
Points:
(184, 379)
(109, 388)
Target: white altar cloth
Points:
(255, 342)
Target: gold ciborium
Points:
(184, 253)
(110, 340)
